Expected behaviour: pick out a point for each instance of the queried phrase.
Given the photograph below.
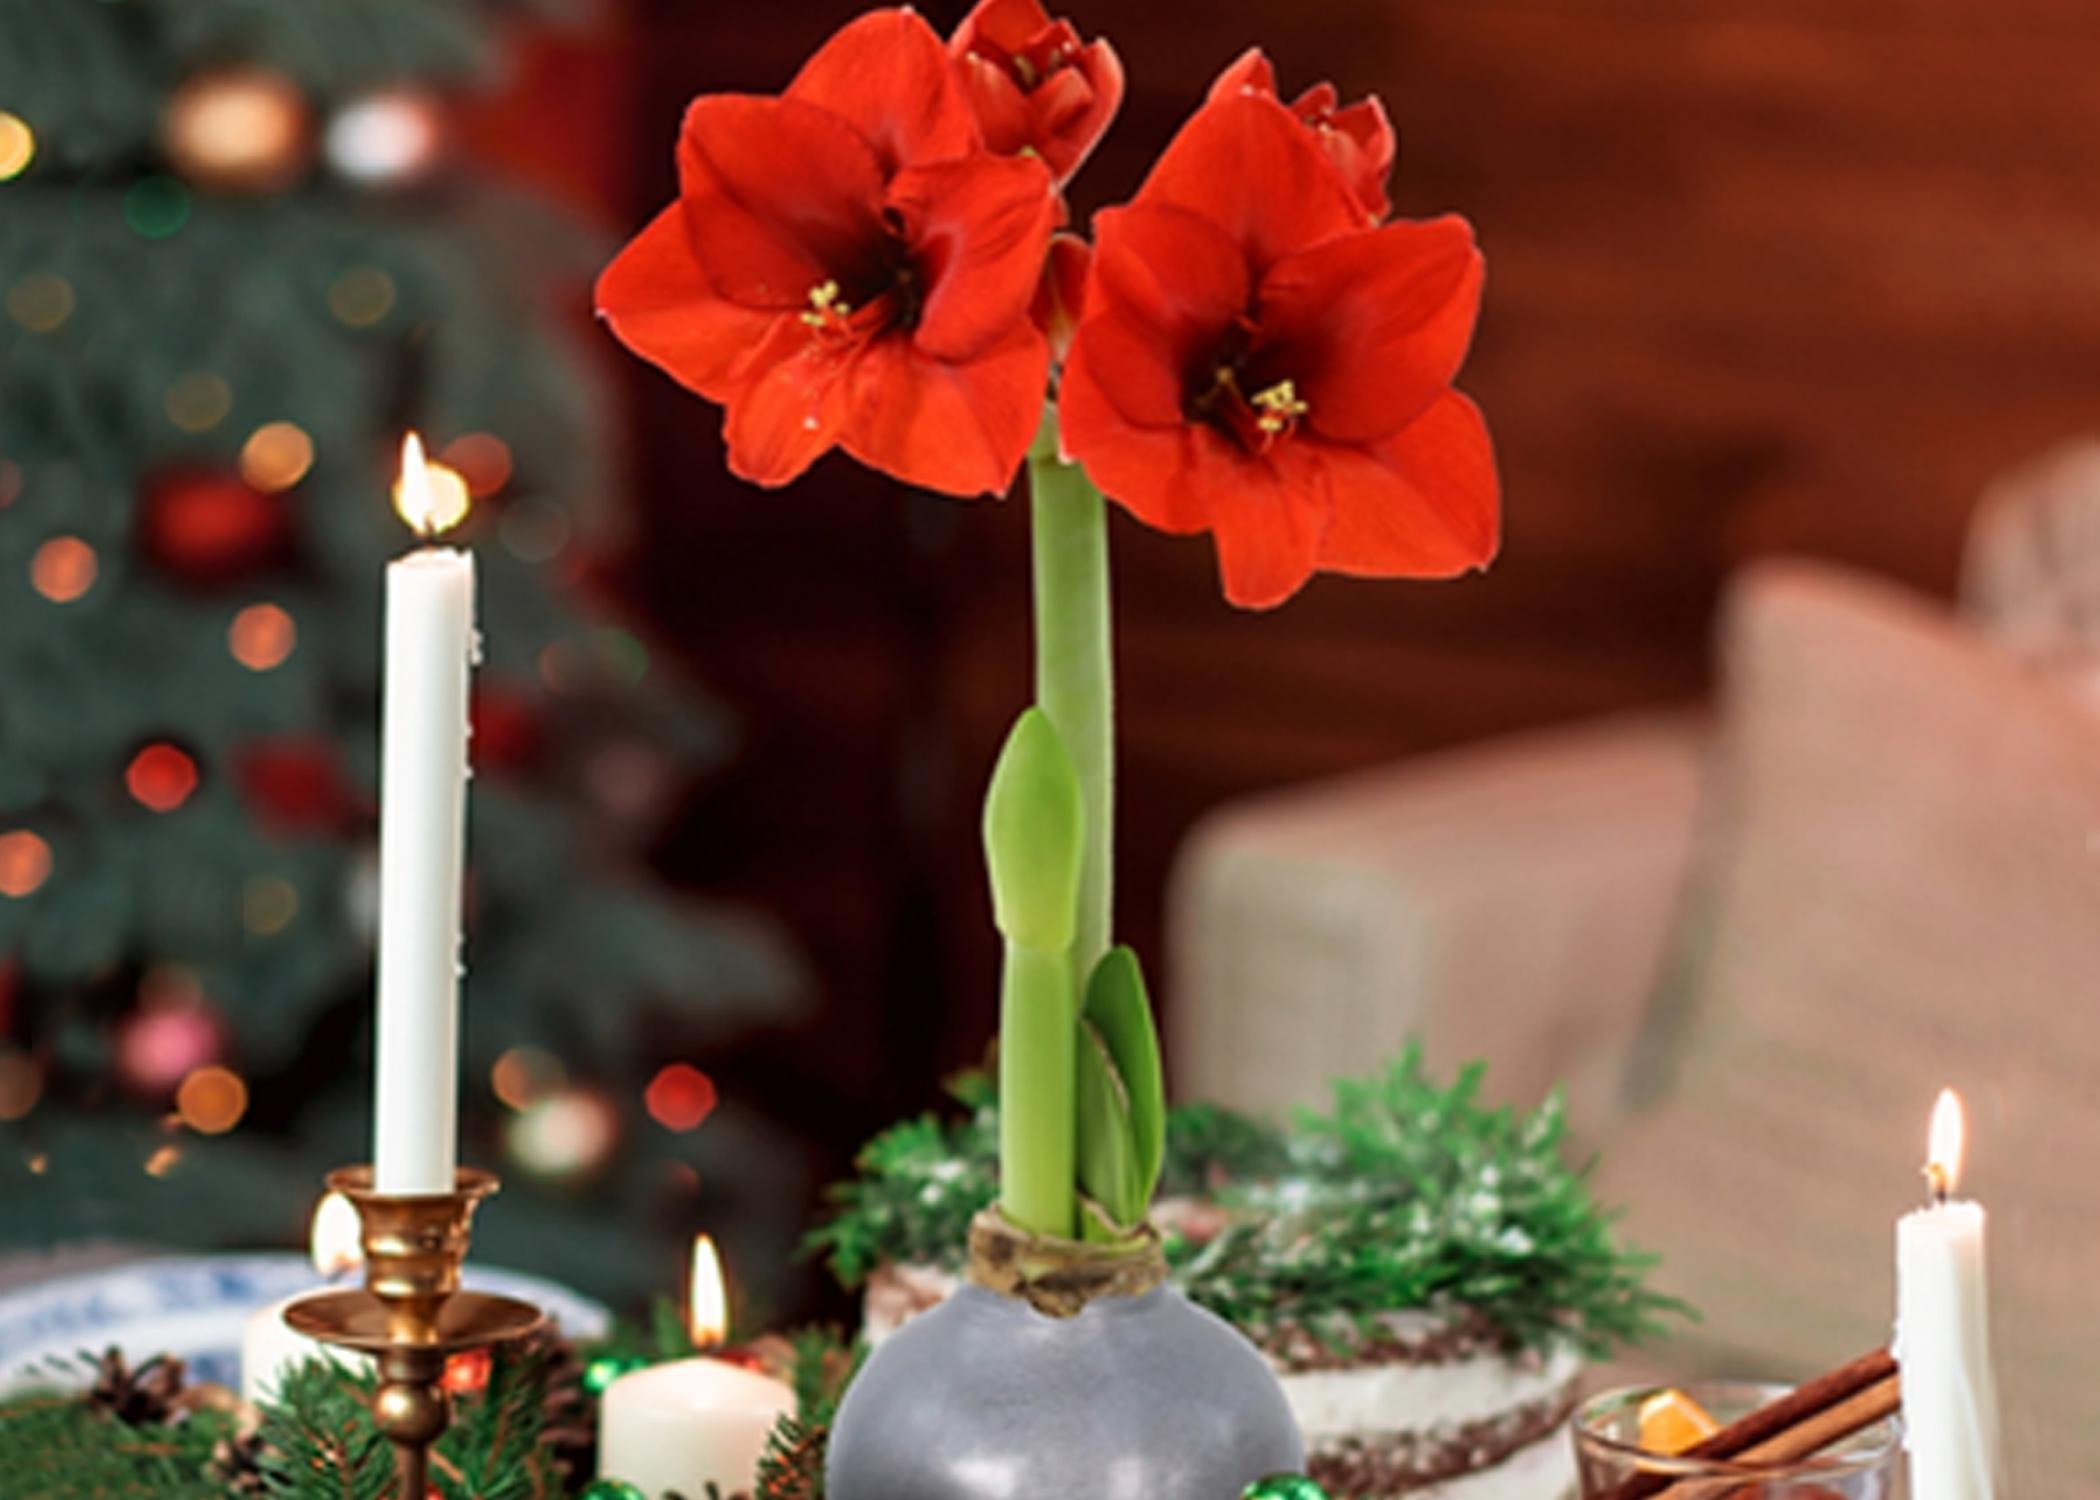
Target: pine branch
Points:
(318, 1439)
(1411, 1195)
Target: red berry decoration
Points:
(467, 1372)
(207, 527)
(295, 785)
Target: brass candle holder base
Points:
(412, 1315)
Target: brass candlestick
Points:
(412, 1314)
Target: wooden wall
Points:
(1765, 275)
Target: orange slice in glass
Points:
(1671, 1422)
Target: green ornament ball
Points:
(605, 1369)
(611, 1489)
(1284, 1487)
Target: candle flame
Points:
(430, 497)
(707, 1305)
(1949, 1135)
(335, 1241)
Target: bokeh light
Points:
(41, 301)
(679, 1097)
(449, 498)
(276, 456)
(482, 459)
(164, 1041)
(523, 1076)
(261, 637)
(157, 207)
(212, 1100)
(239, 130)
(163, 1161)
(161, 777)
(63, 569)
(390, 137)
(568, 1135)
(361, 296)
(10, 482)
(25, 863)
(21, 1083)
(17, 145)
(535, 530)
(38, 1162)
(269, 904)
(199, 401)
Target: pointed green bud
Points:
(1107, 1157)
(1034, 834)
(1120, 1011)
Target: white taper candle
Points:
(422, 848)
(1950, 1408)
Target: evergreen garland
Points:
(1414, 1195)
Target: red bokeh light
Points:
(161, 777)
(679, 1097)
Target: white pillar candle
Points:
(693, 1422)
(269, 1348)
(1950, 1412)
(422, 844)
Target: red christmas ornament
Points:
(467, 1372)
(207, 527)
(507, 730)
(295, 785)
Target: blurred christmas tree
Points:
(236, 265)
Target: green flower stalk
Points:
(1083, 1105)
(1074, 668)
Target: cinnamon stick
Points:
(1827, 1393)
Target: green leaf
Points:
(1034, 836)
(1108, 1164)
(1119, 1009)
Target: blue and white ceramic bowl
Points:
(193, 1307)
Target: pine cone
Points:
(149, 1396)
(236, 1462)
(571, 1429)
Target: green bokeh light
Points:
(157, 207)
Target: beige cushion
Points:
(1508, 902)
(1902, 890)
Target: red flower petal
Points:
(961, 428)
(1373, 325)
(1138, 465)
(1267, 515)
(1423, 504)
(1246, 164)
(1249, 73)
(789, 414)
(888, 75)
(659, 304)
(779, 198)
(1060, 297)
(999, 28)
(1170, 268)
(979, 229)
(1002, 109)
(1358, 139)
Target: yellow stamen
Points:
(825, 305)
(1280, 406)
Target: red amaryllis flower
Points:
(1062, 292)
(1034, 84)
(1358, 138)
(846, 265)
(1256, 363)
